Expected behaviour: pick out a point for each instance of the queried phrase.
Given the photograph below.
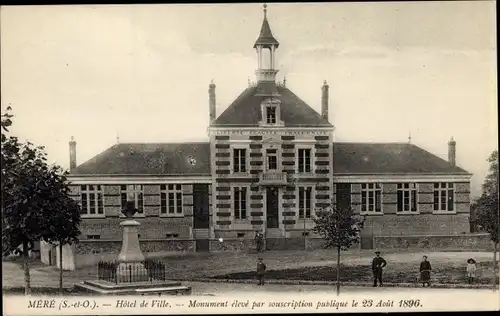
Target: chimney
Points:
(452, 151)
(324, 101)
(72, 154)
(211, 101)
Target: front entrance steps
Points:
(102, 287)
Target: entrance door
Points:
(343, 195)
(272, 208)
(201, 218)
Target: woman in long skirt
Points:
(425, 272)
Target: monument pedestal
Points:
(131, 267)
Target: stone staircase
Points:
(201, 233)
(101, 287)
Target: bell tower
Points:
(266, 46)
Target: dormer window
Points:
(271, 114)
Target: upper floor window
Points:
(371, 198)
(134, 193)
(171, 199)
(239, 160)
(305, 202)
(304, 160)
(92, 200)
(240, 202)
(407, 197)
(270, 114)
(272, 159)
(444, 197)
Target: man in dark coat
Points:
(258, 241)
(425, 272)
(261, 271)
(378, 264)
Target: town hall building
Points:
(270, 163)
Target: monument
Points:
(131, 260)
(132, 273)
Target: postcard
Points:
(231, 158)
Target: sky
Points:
(141, 72)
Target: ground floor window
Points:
(171, 199)
(240, 202)
(407, 198)
(91, 200)
(371, 198)
(133, 193)
(305, 202)
(444, 197)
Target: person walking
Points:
(425, 272)
(258, 241)
(261, 271)
(471, 270)
(378, 265)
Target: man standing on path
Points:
(261, 270)
(378, 264)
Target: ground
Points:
(449, 268)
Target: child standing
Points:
(425, 272)
(471, 270)
(261, 270)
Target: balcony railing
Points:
(273, 178)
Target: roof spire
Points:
(266, 38)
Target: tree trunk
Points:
(495, 267)
(338, 270)
(27, 285)
(60, 269)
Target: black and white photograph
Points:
(232, 158)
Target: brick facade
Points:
(161, 228)
(154, 223)
(285, 146)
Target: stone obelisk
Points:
(131, 260)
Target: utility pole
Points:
(304, 232)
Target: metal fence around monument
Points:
(113, 271)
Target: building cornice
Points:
(337, 178)
(143, 179)
(391, 178)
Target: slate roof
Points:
(349, 158)
(388, 158)
(149, 159)
(245, 111)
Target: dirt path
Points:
(224, 263)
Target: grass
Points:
(400, 273)
(19, 260)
